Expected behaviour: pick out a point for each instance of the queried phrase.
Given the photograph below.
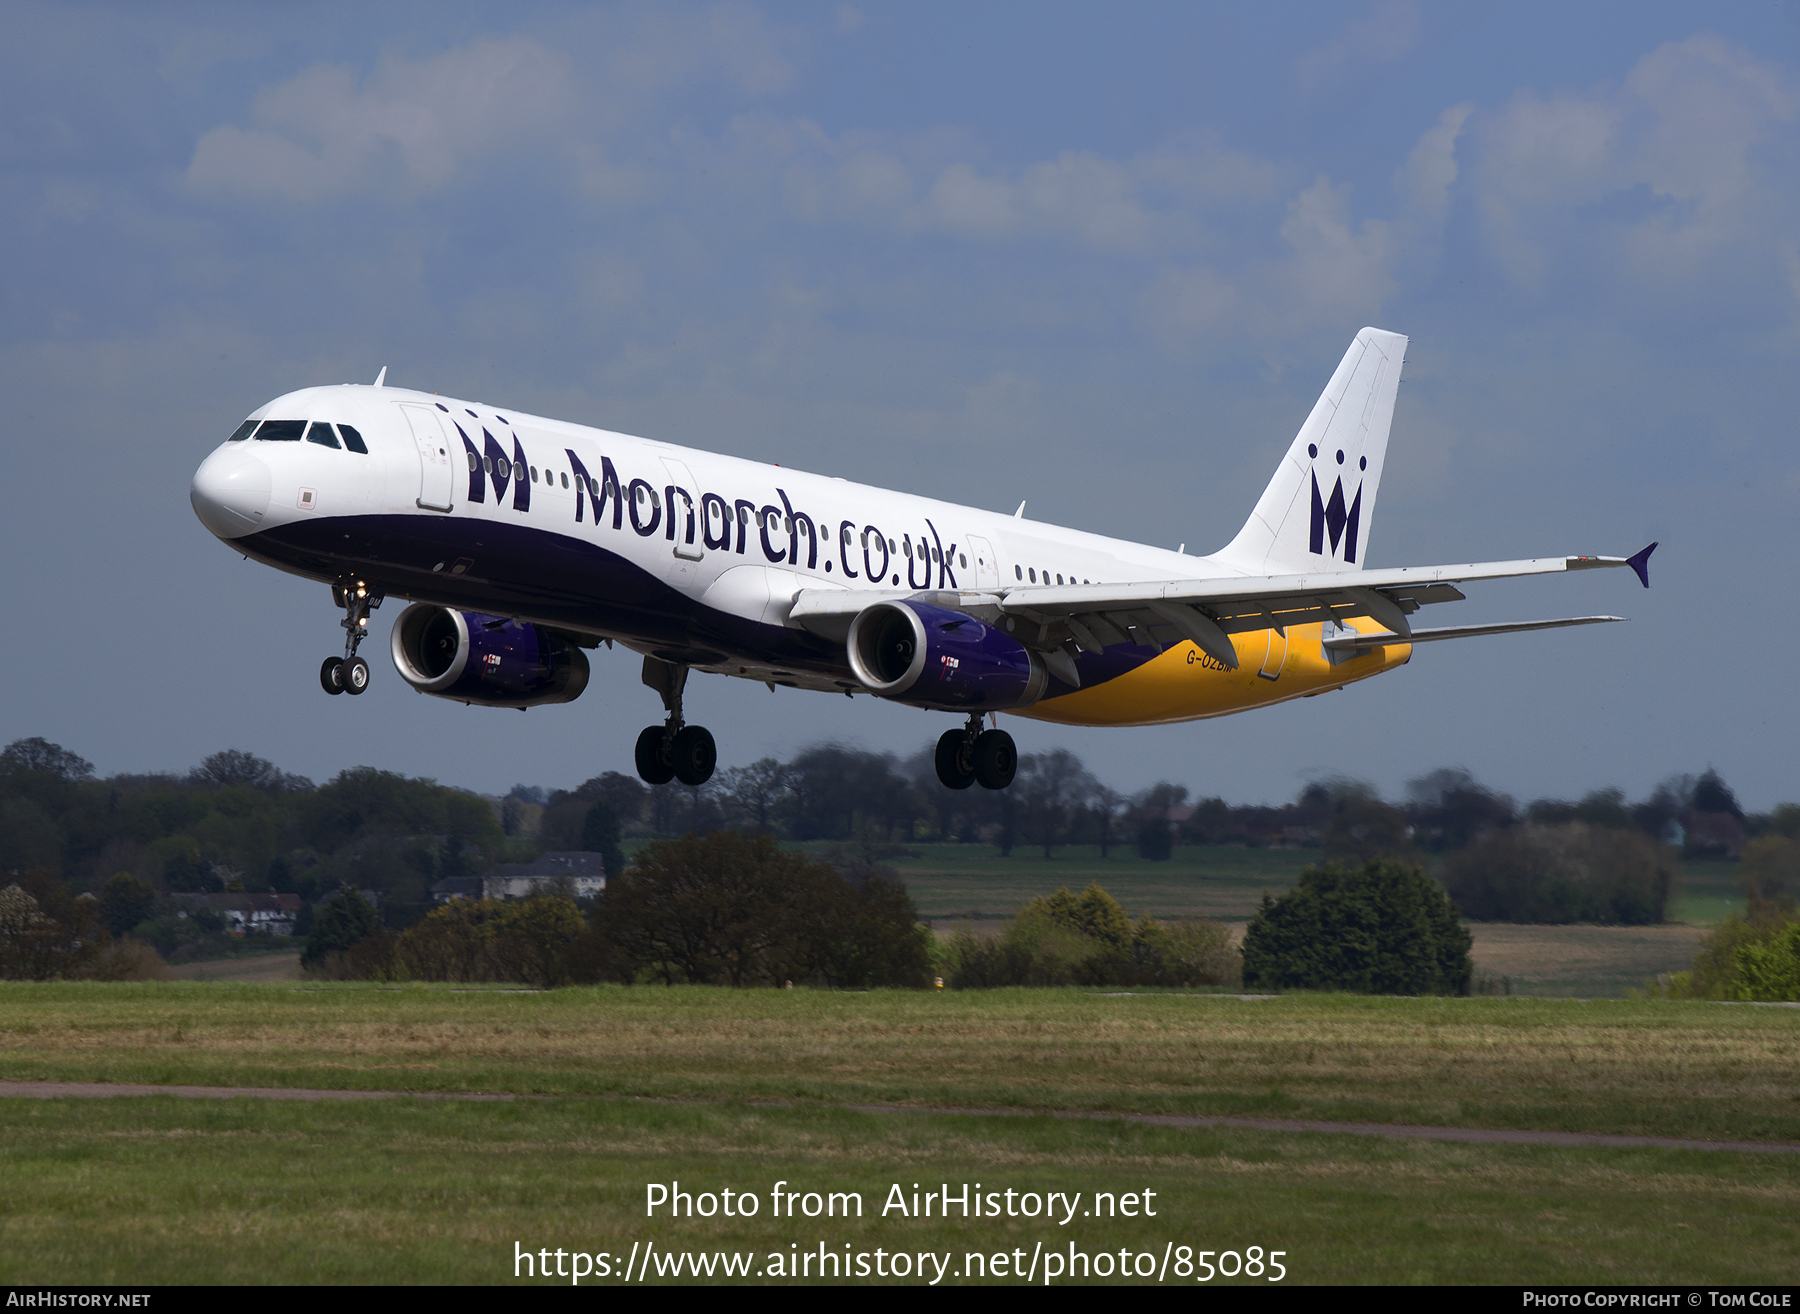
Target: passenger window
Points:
(565, 480)
(321, 434)
(1034, 574)
(280, 431)
(964, 561)
(534, 474)
(352, 439)
(1059, 579)
(1018, 573)
(244, 430)
(474, 462)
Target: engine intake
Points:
(929, 656)
(488, 660)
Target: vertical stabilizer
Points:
(1316, 512)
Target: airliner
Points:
(521, 542)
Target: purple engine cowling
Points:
(485, 659)
(929, 656)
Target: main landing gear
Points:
(673, 750)
(973, 756)
(350, 673)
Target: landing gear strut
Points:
(673, 750)
(971, 756)
(350, 673)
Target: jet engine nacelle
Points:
(929, 656)
(485, 659)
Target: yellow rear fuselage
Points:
(1185, 684)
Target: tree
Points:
(44, 933)
(339, 927)
(1449, 808)
(1560, 874)
(42, 755)
(1712, 794)
(1094, 913)
(1049, 787)
(600, 834)
(1106, 803)
(233, 766)
(1384, 928)
(732, 909)
(1155, 830)
(124, 902)
(756, 791)
(1769, 871)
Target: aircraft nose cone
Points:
(231, 491)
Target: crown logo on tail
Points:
(1331, 516)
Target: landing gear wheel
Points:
(354, 675)
(955, 761)
(650, 762)
(331, 675)
(996, 760)
(695, 755)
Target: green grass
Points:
(955, 880)
(1653, 1067)
(162, 1191)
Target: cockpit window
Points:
(352, 439)
(280, 431)
(321, 434)
(244, 430)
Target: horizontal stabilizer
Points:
(1381, 639)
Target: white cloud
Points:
(1664, 172)
(409, 125)
(415, 126)
(1385, 34)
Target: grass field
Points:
(964, 880)
(164, 1191)
(1649, 1067)
(973, 881)
(146, 1190)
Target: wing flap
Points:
(1360, 642)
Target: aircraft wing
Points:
(1207, 611)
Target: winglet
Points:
(381, 377)
(1641, 564)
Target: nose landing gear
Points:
(971, 756)
(350, 673)
(673, 750)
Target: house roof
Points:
(571, 863)
(470, 885)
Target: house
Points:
(262, 914)
(585, 874)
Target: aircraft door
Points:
(987, 566)
(436, 470)
(1276, 657)
(683, 498)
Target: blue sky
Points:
(985, 253)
